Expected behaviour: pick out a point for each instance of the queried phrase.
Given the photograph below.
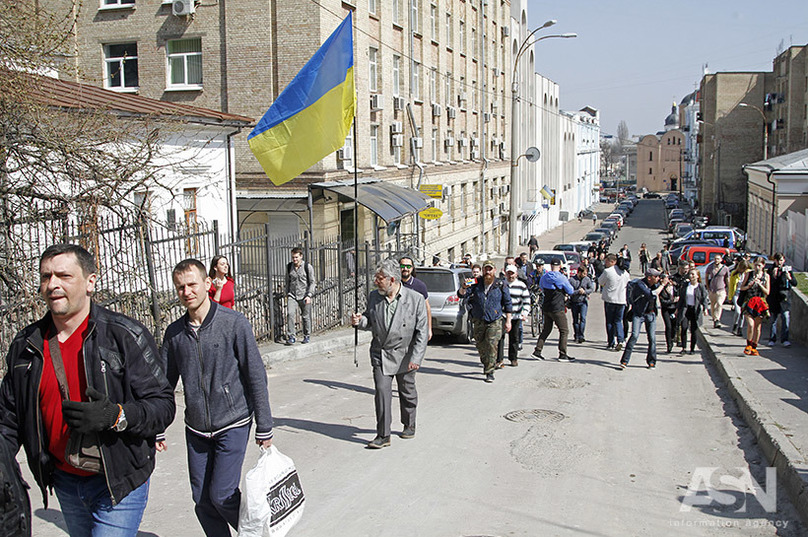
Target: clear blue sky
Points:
(633, 58)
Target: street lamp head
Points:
(571, 34)
(548, 24)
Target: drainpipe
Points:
(774, 208)
(416, 224)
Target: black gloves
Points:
(98, 415)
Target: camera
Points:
(787, 268)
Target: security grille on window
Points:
(185, 63)
(121, 66)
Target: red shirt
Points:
(228, 296)
(50, 399)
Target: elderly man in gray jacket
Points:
(397, 317)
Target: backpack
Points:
(632, 293)
(15, 506)
(306, 264)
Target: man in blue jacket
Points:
(213, 349)
(555, 287)
(641, 297)
(490, 301)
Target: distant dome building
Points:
(672, 121)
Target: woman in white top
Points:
(692, 304)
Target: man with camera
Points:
(782, 279)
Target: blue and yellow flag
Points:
(311, 117)
(546, 193)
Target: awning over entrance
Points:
(390, 202)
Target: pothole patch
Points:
(534, 415)
(561, 383)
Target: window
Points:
(650, 156)
(185, 63)
(372, 7)
(433, 21)
(396, 75)
(448, 87)
(449, 30)
(416, 81)
(347, 151)
(374, 145)
(461, 37)
(435, 155)
(143, 201)
(397, 12)
(415, 17)
(121, 66)
(433, 84)
(474, 95)
(397, 155)
(189, 206)
(117, 3)
(373, 69)
(473, 41)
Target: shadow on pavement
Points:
(349, 433)
(54, 516)
(335, 385)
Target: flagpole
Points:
(356, 241)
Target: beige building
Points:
(660, 161)
(730, 136)
(786, 107)
(431, 78)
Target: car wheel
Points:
(466, 334)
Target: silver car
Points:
(449, 315)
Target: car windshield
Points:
(593, 237)
(438, 281)
(572, 257)
(546, 259)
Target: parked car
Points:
(673, 221)
(611, 226)
(449, 316)
(715, 235)
(619, 216)
(704, 255)
(676, 213)
(573, 261)
(651, 196)
(596, 236)
(682, 229)
(579, 246)
(543, 258)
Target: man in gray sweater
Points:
(213, 349)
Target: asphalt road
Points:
(549, 448)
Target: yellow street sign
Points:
(432, 213)
(433, 191)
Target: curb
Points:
(321, 344)
(776, 447)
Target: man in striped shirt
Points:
(520, 306)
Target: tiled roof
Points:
(74, 95)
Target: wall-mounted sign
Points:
(432, 213)
(433, 191)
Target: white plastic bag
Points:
(272, 500)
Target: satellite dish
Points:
(532, 154)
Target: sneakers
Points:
(305, 339)
(489, 377)
(623, 365)
(786, 344)
(753, 352)
(748, 350)
(652, 365)
(290, 340)
(772, 343)
(619, 346)
(379, 442)
(514, 363)
(537, 354)
(566, 358)
(716, 324)
(408, 432)
(499, 365)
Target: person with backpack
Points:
(300, 285)
(641, 298)
(15, 506)
(555, 288)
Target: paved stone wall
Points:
(798, 331)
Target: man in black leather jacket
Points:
(117, 394)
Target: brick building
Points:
(787, 105)
(431, 79)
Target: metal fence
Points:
(135, 261)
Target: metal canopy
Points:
(390, 202)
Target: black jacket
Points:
(120, 360)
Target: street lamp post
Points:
(514, 201)
(765, 128)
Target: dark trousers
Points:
(558, 318)
(214, 467)
(614, 323)
(383, 398)
(670, 327)
(579, 310)
(691, 321)
(514, 339)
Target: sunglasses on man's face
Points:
(405, 266)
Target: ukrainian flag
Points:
(546, 193)
(311, 117)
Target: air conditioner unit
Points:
(396, 127)
(506, 31)
(475, 154)
(437, 109)
(462, 97)
(502, 209)
(451, 112)
(398, 140)
(376, 102)
(342, 154)
(486, 117)
(418, 142)
(493, 106)
(181, 8)
(462, 142)
(495, 211)
(475, 142)
(398, 103)
(494, 141)
(449, 142)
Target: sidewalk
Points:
(771, 391)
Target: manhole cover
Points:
(536, 414)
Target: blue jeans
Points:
(649, 320)
(783, 313)
(88, 510)
(614, 322)
(214, 467)
(579, 310)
